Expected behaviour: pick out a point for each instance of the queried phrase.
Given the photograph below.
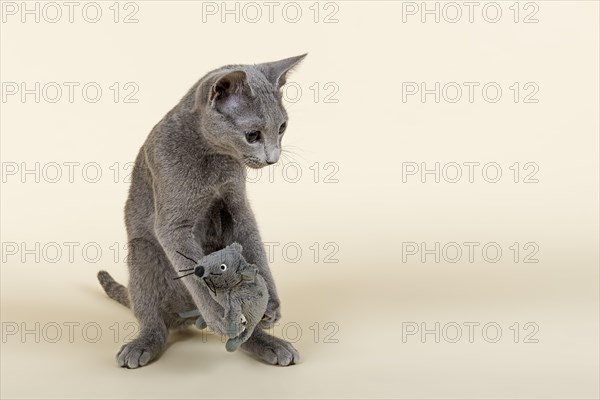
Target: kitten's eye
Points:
(223, 267)
(253, 136)
(282, 128)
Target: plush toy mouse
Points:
(237, 286)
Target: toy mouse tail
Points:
(114, 289)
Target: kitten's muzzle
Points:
(199, 271)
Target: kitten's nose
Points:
(199, 271)
(272, 155)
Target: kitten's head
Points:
(242, 110)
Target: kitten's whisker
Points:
(292, 154)
(285, 159)
(292, 146)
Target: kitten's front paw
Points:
(271, 349)
(135, 354)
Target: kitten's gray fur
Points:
(192, 169)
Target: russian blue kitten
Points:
(188, 195)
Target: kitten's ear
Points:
(231, 84)
(225, 91)
(276, 71)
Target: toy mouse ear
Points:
(249, 276)
(236, 246)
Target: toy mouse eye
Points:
(223, 267)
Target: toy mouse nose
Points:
(199, 271)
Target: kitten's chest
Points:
(223, 190)
(215, 227)
(219, 176)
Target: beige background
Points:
(370, 293)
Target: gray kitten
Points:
(188, 195)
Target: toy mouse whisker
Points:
(191, 259)
(183, 276)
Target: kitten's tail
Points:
(114, 289)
